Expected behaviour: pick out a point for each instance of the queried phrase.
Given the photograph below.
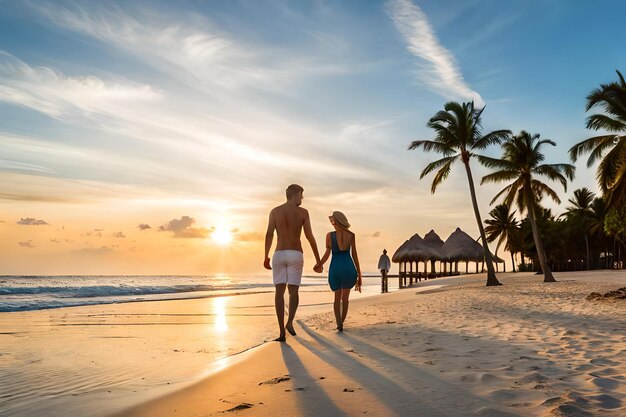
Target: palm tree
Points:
(458, 136)
(521, 163)
(501, 226)
(611, 172)
(580, 213)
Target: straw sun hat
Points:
(340, 219)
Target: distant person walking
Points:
(288, 220)
(384, 265)
(344, 272)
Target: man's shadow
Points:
(310, 396)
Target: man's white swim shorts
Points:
(287, 267)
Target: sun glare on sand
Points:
(222, 236)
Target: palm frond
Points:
(431, 145)
(539, 189)
(499, 176)
(597, 144)
(604, 122)
(441, 175)
(437, 165)
(492, 138)
(495, 163)
(555, 172)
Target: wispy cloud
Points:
(437, 68)
(144, 226)
(102, 250)
(189, 47)
(30, 221)
(52, 93)
(26, 244)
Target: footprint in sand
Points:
(532, 377)
(276, 380)
(567, 410)
(243, 406)
(605, 372)
(607, 401)
(606, 383)
(602, 361)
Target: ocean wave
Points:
(104, 290)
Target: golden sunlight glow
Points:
(222, 236)
(219, 309)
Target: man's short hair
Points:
(292, 190)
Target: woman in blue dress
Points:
(344, 272)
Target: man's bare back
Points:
(289, 220)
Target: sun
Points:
(222, 236)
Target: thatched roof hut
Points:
(461, 247)
(434, 243)
(417, 249)
(399, 254)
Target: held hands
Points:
(318, 268)
(266, 263)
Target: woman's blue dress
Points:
(342, 272)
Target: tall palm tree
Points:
(580, 213)
(457, 137)
(521, 163)
(501, 227)
(611, 172)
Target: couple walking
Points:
(288, 220)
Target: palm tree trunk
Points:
(588, 252)
(497, 266)
(541, 254)
(491, 274)
(513, 262)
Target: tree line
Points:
(589, 234)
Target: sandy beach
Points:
(95, 360)
(448, 347)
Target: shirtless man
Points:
(288, 220)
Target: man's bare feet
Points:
(290, 329)
(280, 339)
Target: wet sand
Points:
(522, 349)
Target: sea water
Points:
(92, 345)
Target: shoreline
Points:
(126, 353)
(317, 283)
(379, 367)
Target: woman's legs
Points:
(345, 295)
(337, 309)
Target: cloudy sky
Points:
(138, 137)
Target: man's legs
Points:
(294, 300)
(279, 303)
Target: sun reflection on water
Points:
(219, 309)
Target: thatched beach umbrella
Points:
(461, 247)
(434, 243)
(401, 257)
(399, 254)
(415, 251)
